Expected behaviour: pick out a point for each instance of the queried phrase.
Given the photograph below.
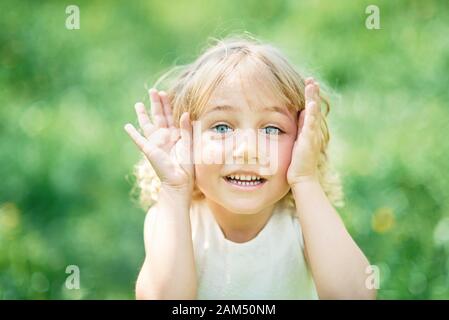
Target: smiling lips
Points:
(245, 181)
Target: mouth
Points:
(245, 181)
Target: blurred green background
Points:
(66, 163)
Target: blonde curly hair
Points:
(189, 88)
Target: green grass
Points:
(65, 161)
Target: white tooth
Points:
(257, 178)
(239, 182)
(232, 176)
(247, 177)
(237, 177)
(253, 177)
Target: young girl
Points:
(231, 229)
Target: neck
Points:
(239, 228)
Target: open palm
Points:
(306, 150)
(167, 148)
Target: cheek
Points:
(276, 158)
(208, 163)
(207, 176)
(209, 150)
(285, 155)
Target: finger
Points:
(317, 91)
(310, 92)
(138, 139)
(309, 80)
(157, 157)
(143, 119)
(156, 109)
(167, 108)
(185, 126)
(301, 120)
(311, 116)
(318, 99)
(317, 87)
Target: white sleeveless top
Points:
(269, 266)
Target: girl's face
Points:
(233, 127)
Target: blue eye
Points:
(221, 128)
(272, 130)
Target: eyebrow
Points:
(234, 109)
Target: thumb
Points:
(185, 126)
(301, 117)
(157, 157)
(184, 146)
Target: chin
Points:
(242, 207)
(245, 204)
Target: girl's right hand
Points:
(168, 148)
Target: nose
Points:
(245, 147)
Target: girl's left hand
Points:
(306, 150)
